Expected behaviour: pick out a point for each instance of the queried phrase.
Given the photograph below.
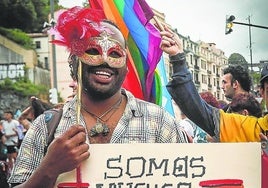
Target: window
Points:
(204, 79)
(191, 59)
(37, 44)
(203, 64)
(46, 63)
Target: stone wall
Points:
(12, 101)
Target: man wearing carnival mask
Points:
(109, 114)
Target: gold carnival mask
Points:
(104, 49)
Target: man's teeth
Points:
(103, 73)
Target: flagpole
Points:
(79, 89)
(78, 110)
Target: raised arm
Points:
(182, 88)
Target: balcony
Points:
(196, 67)
(197, 82)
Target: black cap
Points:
(264, 72)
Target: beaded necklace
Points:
(101, 127)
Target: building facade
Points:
(15, 60)
(205, 62)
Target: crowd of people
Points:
(12, 132)
(111, 114)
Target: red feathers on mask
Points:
(74, 28)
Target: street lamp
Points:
(54, 85)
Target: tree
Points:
(237, 59)
(18, 36)
(256, 76)
(42, 10)
(18, 14)
(26, 15)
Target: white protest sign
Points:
(167, 165)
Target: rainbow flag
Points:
(143, 42)
(162, 95)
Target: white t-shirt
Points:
(9, 130)
(187, 126)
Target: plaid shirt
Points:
(142, 122)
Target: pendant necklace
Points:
(100, 127)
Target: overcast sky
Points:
(205, 20)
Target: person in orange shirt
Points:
(223, 127)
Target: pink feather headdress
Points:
(74, 28)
